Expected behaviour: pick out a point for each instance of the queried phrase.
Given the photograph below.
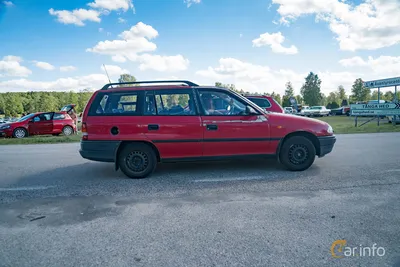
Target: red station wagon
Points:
(137, 127)
(40, 123)
(266, 102)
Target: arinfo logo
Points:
(340, 250)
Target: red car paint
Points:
(57, 121)
(266, 102)
(192, 137)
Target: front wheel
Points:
(20, 133)
(137, 160)
(297, 153)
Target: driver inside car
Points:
(208, 103)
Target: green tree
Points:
(124, 78)
(341, 94)
(289, 92)
(299, 99)
(388, 96)
(13, 104)
(311, 90)
(359, 91)
(332, 97)
(48, 102)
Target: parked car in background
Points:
(303, 109)
(336, 111)
(317, 111)
(265, 102)
(396, 119)
(288, 110)
(138, 126)
(40, 123)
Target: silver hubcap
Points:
(67, 131)
(19, 133)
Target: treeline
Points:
(14, 104)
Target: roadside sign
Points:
(383, 83)
(375, 109)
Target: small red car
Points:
(40, 123)
(136, 127)
(266, 102)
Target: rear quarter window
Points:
(110, 103)
(59, 116)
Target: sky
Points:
(258, 45)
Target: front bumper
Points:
(326, 144)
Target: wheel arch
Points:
(23, 128)
(122, 144)
(313, 138)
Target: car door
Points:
(172, 123)
(227, 129)
(41, 124)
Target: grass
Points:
(340, 124)
(345, 125)
(41, 139)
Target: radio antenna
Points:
(107, 74)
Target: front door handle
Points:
(212, 127)
(153, 127)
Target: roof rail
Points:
(105, 87)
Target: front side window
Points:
(218, 103)
(170, 102)
(42, 117)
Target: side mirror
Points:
(250, 111)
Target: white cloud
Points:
(114, 70)
(191, 2)
(135, 41)
(163, 63)
(370, 25)
(121, 20)
(384, 65)
(112, 4)
(275, 40)
(44, 65)
(10, 66)
(76, 16)
(101, 29)
(258, 78)
(8, 3)
(67, 68)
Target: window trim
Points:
(176, 91)
(99, 96)
(231, 94)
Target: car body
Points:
(266, 102)
(317, 111)
(40, 123)
(288, 110)
(136, 127)
(303, 109)
(395, 119)
(337, 111)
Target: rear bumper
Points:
(326, 144)
(103, 151)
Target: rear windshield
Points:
(261, 102)
(115, 104)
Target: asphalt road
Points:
(241, 213)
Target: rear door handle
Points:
(153, 127)
(212, 127)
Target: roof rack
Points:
(188, 83)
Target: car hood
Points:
(289, 123)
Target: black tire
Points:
(20, 133)
(67, 131)
(301, 161)
(145, 157)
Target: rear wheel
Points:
(137, 160)
(297, 153)
(20, 133)
(67, 130)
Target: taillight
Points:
(84, 131)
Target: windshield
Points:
(26, 117)
(316, 107)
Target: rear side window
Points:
(170, 103)
(58, 116)
(115, 104)
(261, 102)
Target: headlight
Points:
(330, 129)
(5, 127)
